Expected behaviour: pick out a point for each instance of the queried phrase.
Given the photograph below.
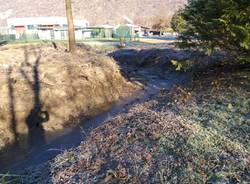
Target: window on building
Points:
(62, 35)
(52, 35)
(30, 27)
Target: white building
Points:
(4, 30)
(47, 28)
(137, 30)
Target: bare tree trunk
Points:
(71, 29)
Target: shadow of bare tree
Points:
(37, 116)
(13, 121)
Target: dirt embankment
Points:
(164, 58)
(194, 134)
(44, 89)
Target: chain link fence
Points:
(122, 32)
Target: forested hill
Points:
(98, 12)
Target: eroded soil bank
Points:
(45, 89)
(150, 83)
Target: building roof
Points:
(107, 26)
(44, 21)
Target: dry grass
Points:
(155, 41)
(217, 147)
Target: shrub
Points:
(223, 24)
(178, 24)
(123, 32)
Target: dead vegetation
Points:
(44, 88)
(165, 57)
(194, 134)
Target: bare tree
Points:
(71, 29)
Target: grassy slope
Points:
(217, 148)
(195, 134)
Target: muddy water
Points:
(20, 159)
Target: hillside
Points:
(98, 12)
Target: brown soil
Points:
(44, 89)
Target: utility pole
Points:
(71, 29)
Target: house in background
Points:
(4, 30)
(137, 30)
(56, 28)
(103, 31)
(45, 28)
(131, 31)
(108, 30)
